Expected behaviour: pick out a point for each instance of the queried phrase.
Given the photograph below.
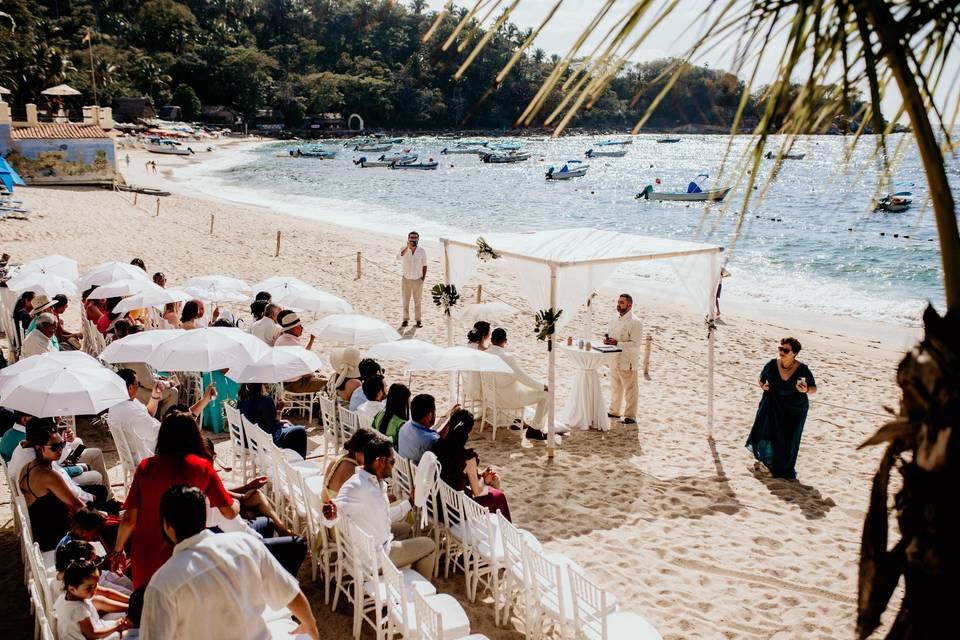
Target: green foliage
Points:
(445, 296)
(545, 325)
(186, 98)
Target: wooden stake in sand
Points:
(158, 207)
(134, 198)
(479, 292)
(359, 258)
(211, 224)
(647, 343)
(277, 254)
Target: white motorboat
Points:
(572, 169)
(505, 146)
(505, 158)
(312, 152)
(373, 148)
(423, 166)
(694, 193)
(619, 153)
(895, 202)
(667, 140)
(784, 156)
(384, 161)
(167, 147)
(613, 143)
(463, 151)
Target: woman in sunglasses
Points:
(775, 437)
(50, 501)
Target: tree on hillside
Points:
(186, 98)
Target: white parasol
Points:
(279, 286)
(60, 90)
(218, 282)
(460, 359)
(212, 292)
(352, 329)
(41, 281)
(401, 350)
(51, 360)
(152, 298)
(138, 347)
(279, 365)
(122, 288)
(54, 263)
(313, 300)
(208, 349)
(489, 311)
(64, 390)
(111, 272)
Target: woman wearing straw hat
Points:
(346, 376)
(42, 304)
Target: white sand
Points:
(681, 531)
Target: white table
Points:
(585, 406)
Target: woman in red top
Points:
(180, 458)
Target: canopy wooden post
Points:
(479, 293)
(359, 258)
(446, 281)
(711, 343)
(551, 366)
(277, 253)
(647, 344)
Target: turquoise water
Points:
(796, 249)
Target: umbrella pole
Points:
(551, 366)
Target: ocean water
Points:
(812, 244)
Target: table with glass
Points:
(585, 407)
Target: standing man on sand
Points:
(625, 332)
(414, 264)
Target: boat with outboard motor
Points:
(784, 156)
(619, 153)
(385, 161)
(895, 202)
(613, 143)
(694, 193)
(166, 146)
(504, 158)
(667, 140)
(571, 169)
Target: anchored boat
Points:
(895, 202)
(785, 156)
(694, 193)
(667, 140)
(619, 153)
(167, 147)
(572, 169)
(504, 158)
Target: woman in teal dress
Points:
(775, 437)
(226, 392)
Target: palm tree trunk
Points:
(893, 47)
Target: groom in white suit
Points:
(517, 390)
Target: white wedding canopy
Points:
(562, 268)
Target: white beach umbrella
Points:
(5, 91)
(152, 298)
(50, 360)
(279, 286)
(214, 293)
(122, 288)
(111, 272)
(55, 264)
(49, 284)
(218, 282)
(60, 90)
(138, 347)
(279, 365)
(460, 359)
(489, 311)
(352, 329)
(314, 300)
(401, 350)
(64, 391)
(208, 349)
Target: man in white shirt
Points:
(291, 330)
(517, 390)
(375, 390)
(363, 499)
(215, 586)
(40, 340)
(414, 264)
(266, 328)
(625, 331)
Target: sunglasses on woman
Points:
(56, 446)
(785, 350)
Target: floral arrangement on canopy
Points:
(545, 325)
(484, 251)
(445, 296)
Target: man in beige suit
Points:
(625, 332)
(517, 390)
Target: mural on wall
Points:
(64, 161)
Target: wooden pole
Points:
(479, 292)
(647, 344)
(277, 254)
(552, 367)
(359, 258)
(134, 198)
(211, 224)
(454, 380)
(158, 207)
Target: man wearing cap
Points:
(40, 340)
(414, 263)
(291, 330)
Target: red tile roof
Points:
(58, 132)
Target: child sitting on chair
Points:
(77, 618)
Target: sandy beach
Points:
(683, 530)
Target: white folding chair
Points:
(321, 546)
(129, 458)
(349, 423)
(491, 412)
(455, 535)
(291, 486)
(331, 424)
(484, 551)
(299, 402)
(430, 622)
(549, 598)
(595, 618)
(238, 444)
(512, 540)
(401, 617)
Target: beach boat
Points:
(167, 147)
(472, 143)
(505, 146)
(613, 143)
(695, 192)
(313, 152)
(423, 166)
(373, 148)
(667, 140)
(619, 153)
(462, 151)
(504, 158)
(383, 161)
(895, 202)
(785, 156)
(572, 169)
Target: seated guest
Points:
(105, 599)
(191, 315)
(41, 339)
(138, 262)
(265, 326)
(171, 314)
(47, 493)
(375, 391)
(22, 309)
(292, 330)
(263, 295)
(477, 338)
(148, 380)
(159, 279)
(346, 373)
(417, 436)
(68, 340)
(13, 436)
(343, 468)
(363, 499)
(41, 304)
(92, 309)
(517, 390)
(77, 617)
(230, 574)
(368, 367)
(395, 413)
(460, 466)
(259, 408)
(87, 525)
(181, 458)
